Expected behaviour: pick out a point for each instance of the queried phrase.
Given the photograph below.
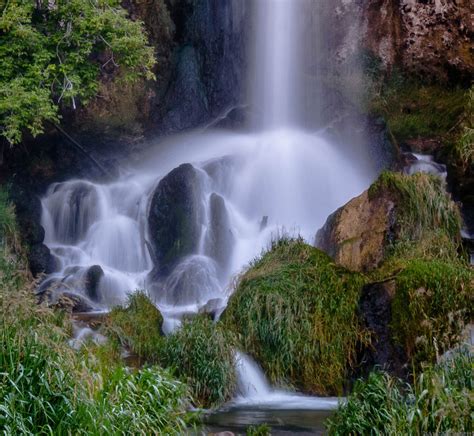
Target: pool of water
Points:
(237, 419)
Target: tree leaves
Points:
(52, 55)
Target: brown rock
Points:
(356, 234)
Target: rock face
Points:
(356, 234)
(424, 37)
(210, 61)
(375, 310)
(175, 217)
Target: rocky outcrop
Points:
(356, 235)
(209, 61)
(175, 217)
(428, 38)
(92, 280)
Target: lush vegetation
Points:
(423, 205)
(53, 54)
(433, 302)
(295, 312)
(199, 352)
(48, 388)
(440, 400)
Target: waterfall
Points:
(249, 185)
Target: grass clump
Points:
(199, 352)
(439, 401)
(259, 430)
(423, 206)
(48, 388)
(137, 326)
(433, 302)
(202, 353)
(295, 311)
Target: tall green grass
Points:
(48, 388)
(294, 310)
(199, 352)
(439, 402)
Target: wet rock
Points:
(375, 311)
(73, 303)
(92, 281)
(40, 260)
(175, 218)
(356, 235)
(220, 240)
(214, 307)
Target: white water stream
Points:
(294, 177)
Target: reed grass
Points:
(439, 402)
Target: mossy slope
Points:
(295, 312)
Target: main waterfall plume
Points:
(240, 190)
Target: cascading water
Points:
(246, 187)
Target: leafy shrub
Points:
(54, 55)
(202, 354)
(439, 401)
(295, 312)
(260, 430)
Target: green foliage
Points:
(434, 300)
(53, 54)
(440, 401)
(138, 326)
(199, 352)
(140, 402)
(464, 147)
(295, 312)
(423, 205)
(202, 354)
(260, 430)
(48, 388)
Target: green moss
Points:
(200, 353)
(422, 206)
(137, 326)
(434, 300)
(295, 312)
(413, 109)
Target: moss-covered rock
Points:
(398, 212)
(294, 310)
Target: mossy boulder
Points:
(397, 209)
(295, 312)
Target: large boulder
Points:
(355, 235)
(397, 208)
(175, 218)
(92, 280)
